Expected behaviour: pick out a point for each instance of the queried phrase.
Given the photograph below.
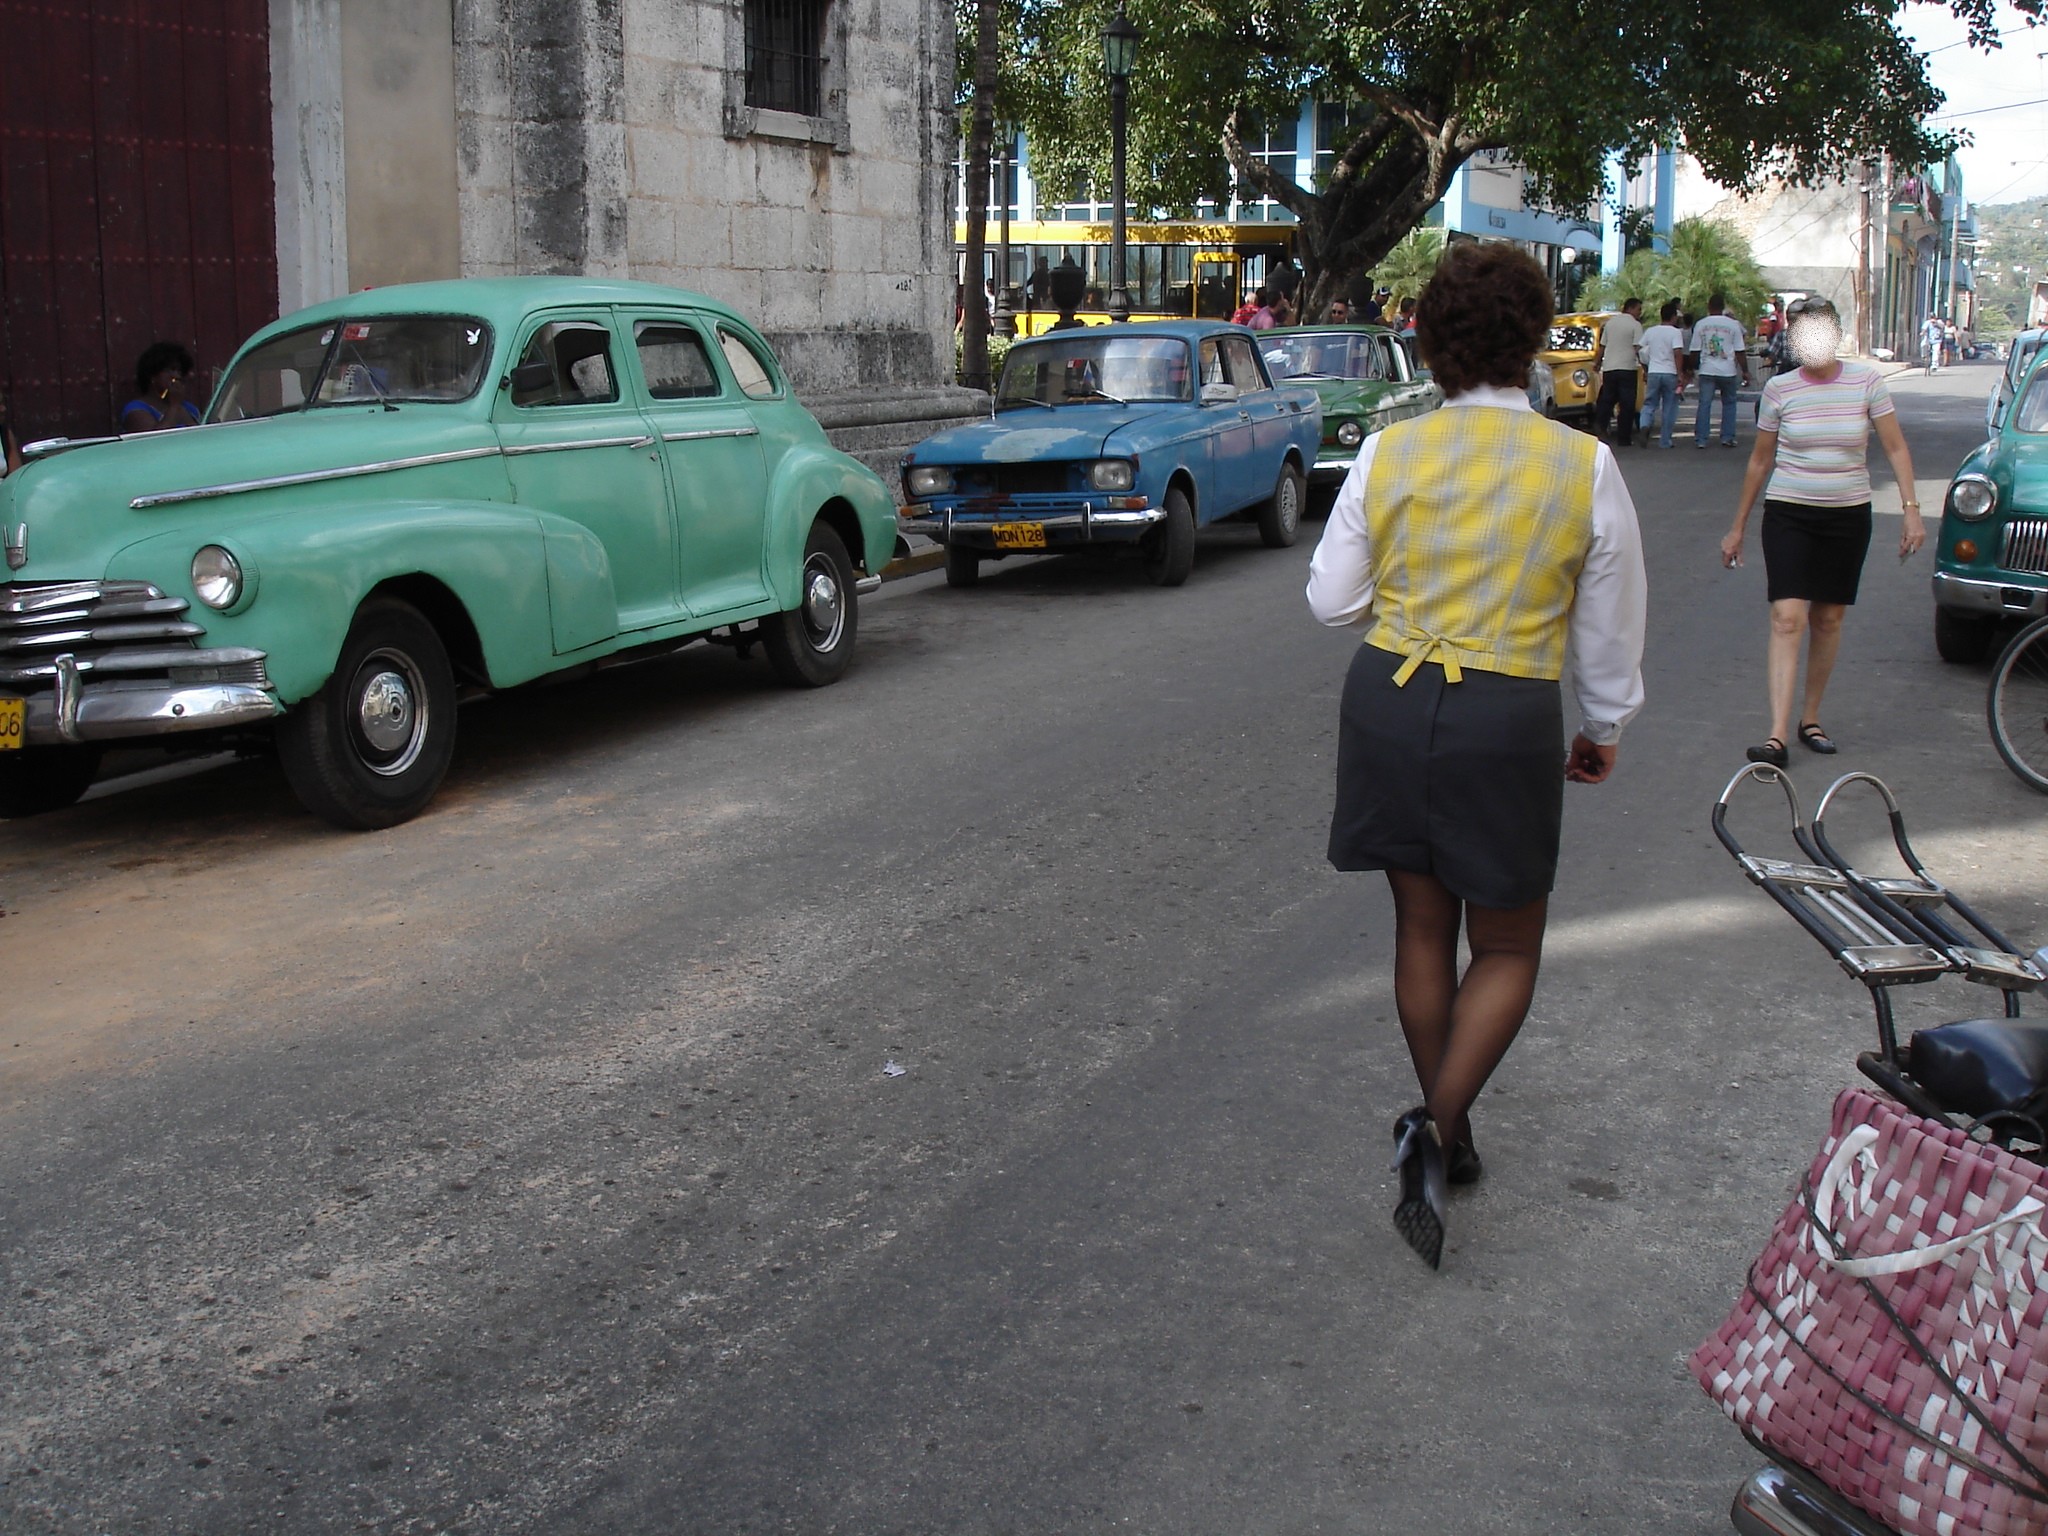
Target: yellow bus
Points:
(1175, 270)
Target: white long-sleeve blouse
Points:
(1609, 614)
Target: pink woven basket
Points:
(1890, 1339)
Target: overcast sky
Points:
(2009, 159)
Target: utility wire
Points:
(1942, 117)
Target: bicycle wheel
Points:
(2018, 706)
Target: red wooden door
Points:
(136, 200)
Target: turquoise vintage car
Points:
(409, 496)
(1366, 377)
(1991, 555)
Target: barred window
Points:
(785, 55)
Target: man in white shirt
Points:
(1662, 346)
(1619, 338)
(1719, 341)
(1933, 339)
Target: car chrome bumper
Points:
(1331, 471)
(78, 712)
(1773, 1503)
(1084, 526)
(1972, 594)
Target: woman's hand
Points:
(1731, 548)
(1586, 763)
(1912, 532)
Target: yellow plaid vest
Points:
(1480, 519)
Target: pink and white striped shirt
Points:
(1823, 434)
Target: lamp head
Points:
(1120, 45)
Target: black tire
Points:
(371, 747)
(811, 645)
(2018, 705)
(1963, 638)
(38, 779)
(963, 566)
(1170, 548)
(1280, 513)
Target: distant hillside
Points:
(2012, 255)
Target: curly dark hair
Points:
(156, 357)
(1483, 317)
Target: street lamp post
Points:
(1006, 181)
(1119, 53)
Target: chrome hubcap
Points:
(824, 606)
(1290, 503)
(391, 712)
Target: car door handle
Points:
(640, 442)
(1244, 415)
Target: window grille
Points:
(785, 55)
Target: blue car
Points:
(1119, 436)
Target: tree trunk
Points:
(1385, 184)
(974, 316)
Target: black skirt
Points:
(1464, 781)
(1815, 553)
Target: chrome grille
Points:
(125, 627)
(2026, 545)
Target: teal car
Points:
(1366, 377)
(1991, 557)
(410, 496)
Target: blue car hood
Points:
(1028, 435)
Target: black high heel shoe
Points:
(1419, 1159)
(1461, 1163)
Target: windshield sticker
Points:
(359, 331)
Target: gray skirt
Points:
(1464, 781)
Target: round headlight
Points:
(216, 577)
(929, 480)
(1110, 475)
(1972, 498)
(1349, 434)
(1581, 378)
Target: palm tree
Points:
(1410, 264)
(1707, 256)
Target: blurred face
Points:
(1814, 339)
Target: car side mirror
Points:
(1219, 394)
(532, 378)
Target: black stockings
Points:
(1458, 1030)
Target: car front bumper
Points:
(1332, 465)
(2012, 597)
(1066, 525)
(80, 710)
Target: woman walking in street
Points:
(1812, 441)
(1471, 543)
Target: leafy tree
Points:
(1803, 89)
(1410, 264)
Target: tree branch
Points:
(1284, 190)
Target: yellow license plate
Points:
(1020, 535)
(13, 723)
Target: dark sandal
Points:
(1419, 1216)
(1815, 739)
(1461, 1163)
(1772, 752)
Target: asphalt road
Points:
(539, 1166)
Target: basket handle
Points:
(1856, 1145)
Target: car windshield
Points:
(1330, 355)
(394, 359)
(1075, 370)
(2032, 416)
(1573, 338)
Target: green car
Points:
(1991, 558)
(410, 496)
(1366, 375)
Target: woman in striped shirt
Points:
(1812, 442)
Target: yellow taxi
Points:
(1573, 358)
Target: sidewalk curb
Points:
(915, 564)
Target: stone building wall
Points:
(612, 137)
